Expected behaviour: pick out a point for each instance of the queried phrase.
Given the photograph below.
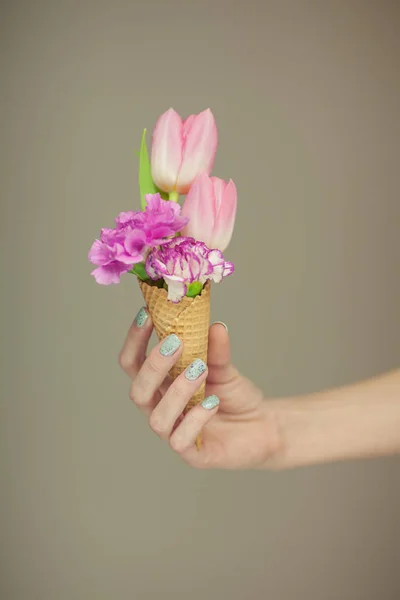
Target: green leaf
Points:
(140, 271)
(194, 289)
(146, 183)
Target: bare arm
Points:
(361, 420)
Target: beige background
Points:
(307, 96)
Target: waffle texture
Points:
(189, 320)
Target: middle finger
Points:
(170, 407)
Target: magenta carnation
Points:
(135, 234)
(160, 220)
(182, 261)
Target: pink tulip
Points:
(211, 207)
(182, 149)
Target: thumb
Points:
(220, 368)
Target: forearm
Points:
(361, 420)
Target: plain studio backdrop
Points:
(306, 97)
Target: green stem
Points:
(140, 271)
(174, 196)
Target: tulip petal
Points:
(199, 206)
(225, 219)
(200, 146)
(166, 150)
(187, 124)
(219, 186)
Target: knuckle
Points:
(124, 360)
(135, 393)
(193, 419)
(132, 396)
(156, 424)
(180, 390)
(153, 366)
(178, 443)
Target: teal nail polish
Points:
(170, 345)
(210, 402)
(196, 369)
(141, 317)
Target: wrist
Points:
(275, 436)
(319, 428)
(296, 423)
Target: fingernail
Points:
(141, 317)
(210, 402)
(196, 369)
(221, 323)
(170, 345)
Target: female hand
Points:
(237, 425)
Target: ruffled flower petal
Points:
(184, 261)
(135, 244)
(134, 236)
(124, 218)
(176, 289)
(110, 273)
(229, 268)
(100, 253)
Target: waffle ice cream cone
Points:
(189, 319)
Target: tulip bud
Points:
(211, 207)
(182, 149)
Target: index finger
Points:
(133, 352)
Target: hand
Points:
(240, 432)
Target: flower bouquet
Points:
(175, 253)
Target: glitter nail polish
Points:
(196, 369)
(210, 402)
(141, 317)
(170, 345)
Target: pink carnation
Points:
(160, 220)
(135, 234)
(182, 261)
